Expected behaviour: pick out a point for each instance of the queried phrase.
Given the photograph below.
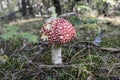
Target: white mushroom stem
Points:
(56, 54)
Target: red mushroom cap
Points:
(58, 31)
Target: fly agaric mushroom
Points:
(57, 32)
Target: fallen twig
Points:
(110, 49)
(63, 65)
(54, 66)
(67, 14)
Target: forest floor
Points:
(82, 59)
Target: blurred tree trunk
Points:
(30, 8)
(24, 8)
(57, 5)
(27, 8)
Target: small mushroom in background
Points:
(57, 32)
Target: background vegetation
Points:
(93, 55)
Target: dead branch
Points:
(67, 14)
(55, 66)
(63, 65)
(110, 49)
